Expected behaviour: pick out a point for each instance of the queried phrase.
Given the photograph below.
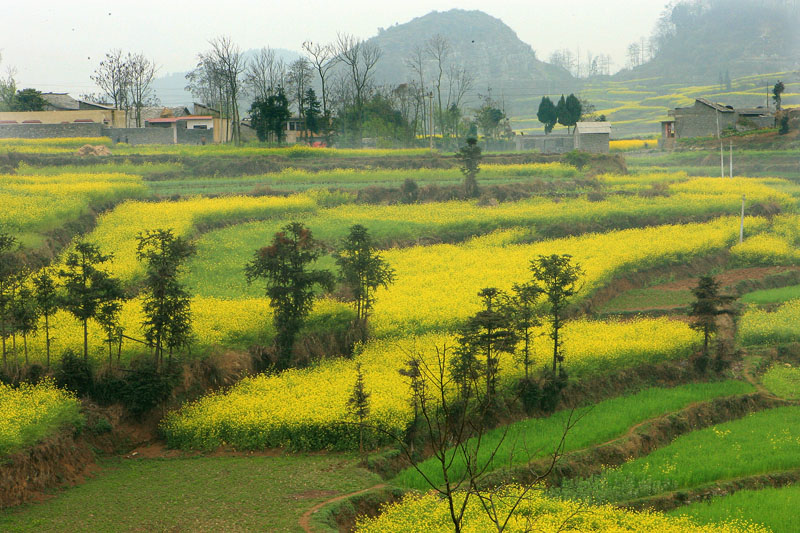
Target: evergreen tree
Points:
(777, 91)
(524, 319)
(47, 300)
(10, 264)
(362, 269)
(562, 116)
(487, 334)
(574, 110)
(167, 303)
(358, 406)
(547, 114)
(290, 282)
(470, 157)
(269, 116)
(87, 286)
(313, 114)
(25, 313)
(557, 278)
(707, 306)
(108, 318)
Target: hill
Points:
(703, 41)
(485, 46)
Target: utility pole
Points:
(721, 152)
(731, 159)
(741, 224)
(430, 118)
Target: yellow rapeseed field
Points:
(429, 513)
(31, 412)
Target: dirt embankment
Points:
(57, 461)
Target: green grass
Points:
(783, 380)
(757, 444)
(775, 508)
(769, 296)
(636, 299)
(604, 421)
(195, 494)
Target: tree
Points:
(777, 91)
(323, 58)
(108, 318)
(522, 309)
(166, 302)
(299, 79)
(488, 118)
(556, 277)
(360, 59)
(561, 111)
(290, 283)
(547, 114)
(470, 157)
(487, 334)
(113, 77)
(8, 88)
(264, 74)
(311, 111)
(25, 312)
(141, 74)
(47, 299)
(573, 109)
(87, 286)
(10, 265)
(783, 124)
(362, 269)
(358, 406)
(708, 305)
(28, 100)
(269, 117)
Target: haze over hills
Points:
(700, 40)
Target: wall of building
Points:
(555, 143)
(44, 131)
(159, 136)
(100, 116)
(592, 142)
(701, 121)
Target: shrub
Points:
(73, 373)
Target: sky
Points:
(55, 46)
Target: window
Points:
(200, 127)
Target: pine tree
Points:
(358, 406)
(708, 305)
(547, 114)
(470, 157)
(290, 282)
(87, 286)
(362, 269)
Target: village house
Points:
(709, 119)
(586, 136)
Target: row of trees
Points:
(126, 82)
(85, 288)
(567, 112)
(13, 99)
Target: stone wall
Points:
(701, 121)
(43, 131)
(555, 143)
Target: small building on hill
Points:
(707, 119)
(587, 137)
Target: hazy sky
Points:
(55, 46)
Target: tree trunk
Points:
(85, 340)
(47, 338)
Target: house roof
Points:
(593, 127)
(167, 120)
(61, 101)
(714, 105)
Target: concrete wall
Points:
(159, 136)
(555, 143)
(592, 142)
(100, 116)
(43, 131)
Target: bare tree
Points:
(457, 433)
(141, 73)
(299, 79)
(229, 64)
(360, 59)
(257, 78)
(416, 63)
(323, 58)
(113, 78)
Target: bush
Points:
(577, 158)
(138, 389)
(784, 124)
(530, 394)
(409, 192)
(551, 390)
(73, 373)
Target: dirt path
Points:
(305, 520)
